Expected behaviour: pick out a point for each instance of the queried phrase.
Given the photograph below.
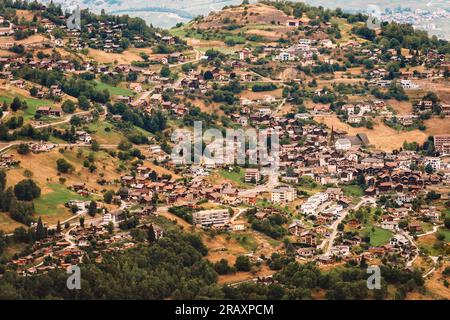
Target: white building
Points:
(343, 144)
(312, 204)
(389, 225)
(114, 216)
(434, 162)
(211, 218)
(408, 84)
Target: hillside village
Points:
(362, 116)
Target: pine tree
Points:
(92, 210)
(58, 228)
(82, 222)
(151, 234)
(40, 230)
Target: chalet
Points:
(306, 252)
(294, 23)
(50, 112)
(245, 53)
(83, 136)
(124, 99)
(47, 24)
(296, 227)
(309, 237)
(389, 225)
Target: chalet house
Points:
(245, 53)
(309, 237)
(124, 99)
(306, 252)
(296, 228)
(50, 112)
(168, 40)
(47, 24)
(83, 136)
(389, 225)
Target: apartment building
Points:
(283, 194)
(442, 143)
(252, 176)
(211, 218)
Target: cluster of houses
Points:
(67, 248)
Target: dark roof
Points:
(364, 139)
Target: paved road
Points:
(330, 240)
(197, 58)
(240, 211)
(435, 228)
(66, 120)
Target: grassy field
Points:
(236, 177)
(32, 104)
(246, 240)
(101, 135)
(352, 190)
(115, 91)
(52, 203)
(379, 236)
(446, 233)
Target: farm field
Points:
(237, 178)
(104, 132)
(43, 169)
(379, 236)
(381, 136)
(114, 90)
(50, 206)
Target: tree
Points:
(151, 234)
(242, 264)
(108, 196)
(58, 228)
(95, 146)
(429, 169)
(27, 190)
(16, 104)
(208, 75)
(84, 103)
(222, 267)
(447, 222)
(82, 222)
(2, 180)
(23, 148)
(124, 43)
(40, 230)
(63, 166)
(165, 72)
(110, 227)
(92, 210)
(68, 106)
